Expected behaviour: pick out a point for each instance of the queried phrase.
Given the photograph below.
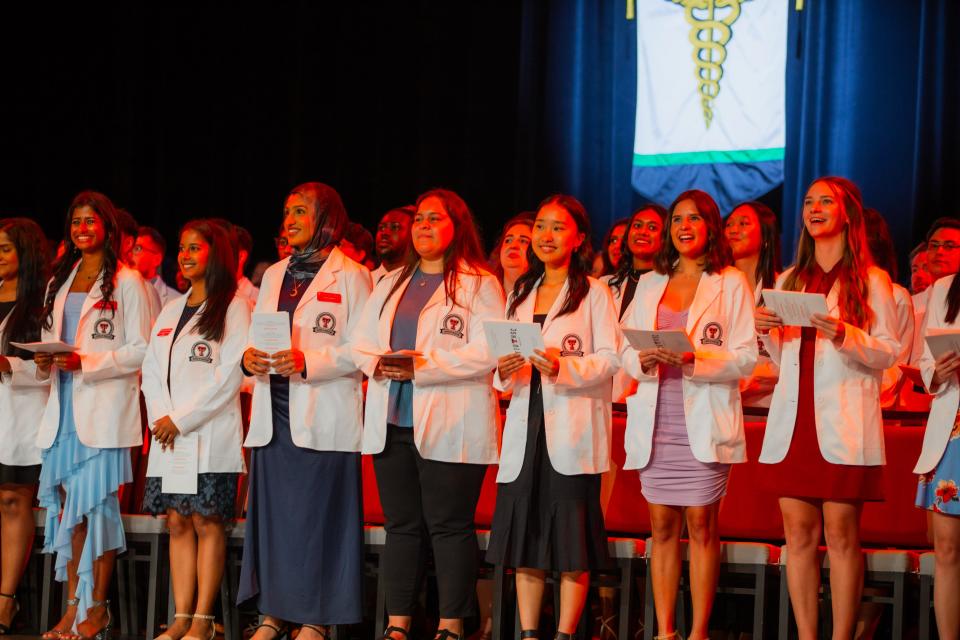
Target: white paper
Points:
(942, 341)
(673, 339)
(179, 465)
(271, 332)
(505, 337)
(795, 307)
(45, 347)
(401, 353)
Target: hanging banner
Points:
(710, 98)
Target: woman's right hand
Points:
(945, 368)
(256, 362)
(509, 364)
(764, 320)
(649, 359)
(43, 361)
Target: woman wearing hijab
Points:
(303, 548)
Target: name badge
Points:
(164, 332)
(110, 305)
(323, 296)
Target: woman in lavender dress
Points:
(685, 423)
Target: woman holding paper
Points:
(305, 427)
(23, 275)
(431, 417)
(939, 463)
(685, 422)
(752, 231)
(556, 441)
(92, 416)
(824, 434)
(191, 383)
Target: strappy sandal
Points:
(530, 634)
(446, 634)
(282, 631)
(5, 628)
(386, 633)
(319, 630)
(167, 636)
(104, 632)
(57, 634)
(213, 627)
(563, 636)
(668, 636)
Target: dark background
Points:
(215, 110)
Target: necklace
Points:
(296, 288)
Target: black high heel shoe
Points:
(5, 628)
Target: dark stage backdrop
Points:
(212, 109)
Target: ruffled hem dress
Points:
(544, 519)
(90, 478)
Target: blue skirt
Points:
(90, 479)
(938, 490)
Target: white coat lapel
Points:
(707, 291)
(651, 300)
(191, 323)
(94, 296)
(273, 302)
(557, 303)
(324, 278)
(60, 301)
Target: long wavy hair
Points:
(220, 278)
(626, 260)
(580, 261)
(103, 207)
(608, 266)
(855, 262)
(717, 254)
(33, 272)
(525, 218)
(769, 264)
(464, 254)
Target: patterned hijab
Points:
(331, 219)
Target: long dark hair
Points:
(33, 272)
(769, 264)
(608, 266)
(578, 274)
(626, 259)
(463, 254)
(880, 242)
(62, 269)
(220, 278)
(852, 279)
(717, 255)
(524, 218)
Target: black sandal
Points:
(386, 633)
(446, 634)
(323, 634)
(563, 636)
(530, 633)
(281, 631)
(5, 628)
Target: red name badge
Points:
(323, 296)
(164, 332)
(110, 305)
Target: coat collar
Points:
(708, 288)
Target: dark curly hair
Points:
(103, 207)
(33, 272)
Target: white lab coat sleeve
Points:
(878, 348)
(335, 361)
(23, 373)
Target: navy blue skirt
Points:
(303, 548)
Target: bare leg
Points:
(665, 563)
(801, 526)
(946, 541)
(573, 595)
(704, 564)
(211, 554)
(183, 570)
(529, 597)
(16, 540)
(841, 526)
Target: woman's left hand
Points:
(165, 432)
(829, 327)
(674, 358)
(69, 361)
(399, 369)
(288, 363)
(546, 362)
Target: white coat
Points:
(202, 396)
(577, 414)
(846, 381)
(326, 405)
(891, 382)
(624, 385)
(455, 413)
(946, 397)
(757, 388)
(721, 327)
(22, 400)
(112, 344)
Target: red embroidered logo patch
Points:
(323, 296)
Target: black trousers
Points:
(427, 501)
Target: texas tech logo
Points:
(712, 334)
(200, 352)
(102, 329)
(452, 325)
(572, 345)
(325, 323)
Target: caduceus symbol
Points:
(709, 33)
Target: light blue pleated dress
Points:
(90, 478)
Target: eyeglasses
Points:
(946, 246)
(139, 248)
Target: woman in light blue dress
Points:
(92, 417)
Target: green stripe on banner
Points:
(741, 156)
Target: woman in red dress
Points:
(824, 434)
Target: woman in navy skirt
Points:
(303, 550)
